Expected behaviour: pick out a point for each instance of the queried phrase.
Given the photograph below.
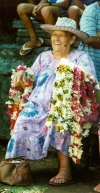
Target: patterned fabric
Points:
(31, 136)
(90, 23)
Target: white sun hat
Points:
(65, 24)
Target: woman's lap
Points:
(32, 138)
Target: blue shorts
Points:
(63, 12)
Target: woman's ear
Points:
(73, 39)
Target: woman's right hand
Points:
(18, 76)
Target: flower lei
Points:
(73, 106)
(18, 95)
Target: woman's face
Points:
(62, 40)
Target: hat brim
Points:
(50, 28)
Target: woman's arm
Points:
(38, 64)
(85, 62)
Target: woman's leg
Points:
(64, 175)
(97, 188)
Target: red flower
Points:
(21, 68)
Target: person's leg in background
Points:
(24, 11)
(48, 14)
(75, 13)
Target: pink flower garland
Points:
(18, 96)
(85, 110)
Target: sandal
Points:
(27, 50)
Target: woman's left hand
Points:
(18, 76)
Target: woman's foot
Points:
(62, 178)
(97, 188)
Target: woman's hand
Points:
(18, 77)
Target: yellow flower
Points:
(54, 108)
(58, 128)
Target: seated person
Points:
(44, 12)
(31, 136)
(76, 10)
(90, 24)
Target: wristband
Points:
(50, 3)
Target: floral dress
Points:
(31, 136)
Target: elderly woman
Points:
(31, 136)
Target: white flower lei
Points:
(67, 111)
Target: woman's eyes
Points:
(59, 36)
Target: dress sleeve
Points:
(85, 62)
(37, 65)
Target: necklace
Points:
(73, 105)
(18, 95)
